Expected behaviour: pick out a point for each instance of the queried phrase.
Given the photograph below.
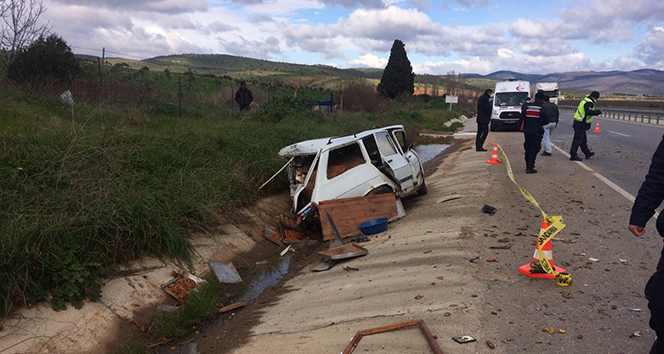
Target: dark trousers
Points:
(244, 107)
(655, 295)
(580, 140)
(482, 133)
(532, 145)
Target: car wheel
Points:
(423, 189)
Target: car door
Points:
(411, 156)
(396, 164)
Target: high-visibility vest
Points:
(581, 111)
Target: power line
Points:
(109, 51)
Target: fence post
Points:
(180, 94)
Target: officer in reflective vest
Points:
(583, 119)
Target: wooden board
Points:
(348, 213)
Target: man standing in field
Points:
(554, 115)
(583, 119)
(483, 119)
(650, 197)
(243, 97)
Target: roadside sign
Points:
(451, 99)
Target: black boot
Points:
(530, 168)
(575, 158)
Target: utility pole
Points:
(180, 93)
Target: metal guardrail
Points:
(652, 117)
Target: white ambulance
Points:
(508, 98)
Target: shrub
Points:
(47, 57)
(360, 95)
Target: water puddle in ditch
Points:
(429, 152)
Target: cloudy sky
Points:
(479, 36)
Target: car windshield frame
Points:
(511, 99)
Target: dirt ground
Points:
(421, 268)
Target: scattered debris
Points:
(351, 212)
(475, 259)
(447, 314)
(344, 252)
(614, 307)
(593, 259)
(420, 323)
(549, 330)
(418, 297)
(232, 307)
(272, 235)
(260, 263)
(180, 286)
(440, 278)
(492, 260)
(623, 261)
(490, 345)
(167, 308)
(350, 269)
(506, 247)
(580, 336)
(636, 334)
(360, 239)
(67, 97)
(323, 266)
(449, 198)
(464, 339)
(562, 330)
(282, 253)
(489, 209)
(566, 295)
(634, 309)
(225, 273)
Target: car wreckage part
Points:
(420, 323)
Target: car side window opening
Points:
(344, 159)
(372, 150)
(400, 136)
(384, 145)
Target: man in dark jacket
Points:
(649, 198)
(554, 116)
(243, 96)
(533, 118)
(483, 119)
(583, 119)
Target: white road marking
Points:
(616, 133)
(613, 186)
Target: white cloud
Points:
(651, 49)
(370, 61)
(160, 6)
(218, 27)
(261, 49)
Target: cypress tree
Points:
(398, 75)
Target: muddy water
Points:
(429, 152)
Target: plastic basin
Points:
(374, 226)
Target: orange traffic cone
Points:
(597, 128)
(494, 156)
(537, 271)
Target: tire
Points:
(493, 127)
(423, 189)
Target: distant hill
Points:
(645, 81)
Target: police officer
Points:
(533, 118)
(649, 198)
(583, 119)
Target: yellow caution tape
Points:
(556, 224)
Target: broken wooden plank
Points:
(232, 307)
(431, 340)
(349, 213)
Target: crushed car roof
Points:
(311, 147)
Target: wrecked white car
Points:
(371, 162)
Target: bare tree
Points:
(20, 27)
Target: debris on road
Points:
(433, 345)
(419, 297)
(449, 198)
(593, 259)
(562, 330)
(344, 252)
(614, 307)
(490, 345)
(167, 308)
(634, 309)
(506, 247)
(623, 261)
(232, 307)
(489, 209)
(475, 259)
(636, 334)
(580, 336)
(549, 330)
(492, 260)
(225, 273)
(566, 295)
(464, 339)
(350, 269)
(272, 235)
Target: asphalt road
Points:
(624, 149)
